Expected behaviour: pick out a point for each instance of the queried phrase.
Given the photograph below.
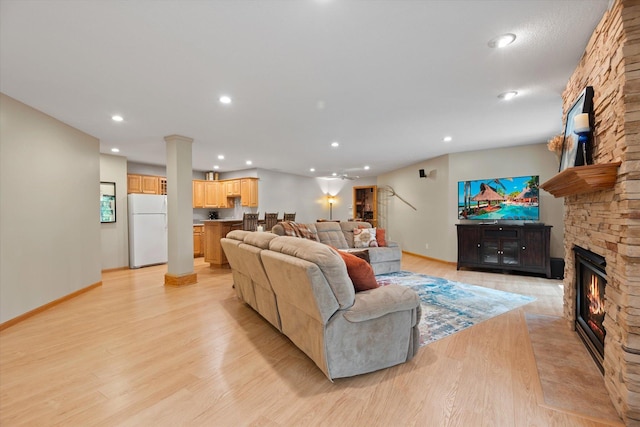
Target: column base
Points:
(184, 280)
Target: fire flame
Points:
(596, 305)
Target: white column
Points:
(180, 211)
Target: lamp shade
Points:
(581, 123)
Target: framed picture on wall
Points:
(584, 104)
(107, 202)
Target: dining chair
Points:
(270, 219)
(289, 216)
(250, 221)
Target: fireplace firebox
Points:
(591, 281)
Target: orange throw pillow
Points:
(380, 237)
(360, 272)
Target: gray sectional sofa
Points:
(340, 235)
(302, 288)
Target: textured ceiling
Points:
(387, 79)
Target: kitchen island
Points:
(214, 230)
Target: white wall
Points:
(283, 192)
(429, 223)
(114, 236)
(307, 197)
(49, 215)
(436, 197)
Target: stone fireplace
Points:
(607, 221)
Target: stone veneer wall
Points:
(608, 222)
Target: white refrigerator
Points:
(147, 229)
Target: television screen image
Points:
(514, 198)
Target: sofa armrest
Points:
(391, 244)
(380, 301)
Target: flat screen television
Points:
(513, 198)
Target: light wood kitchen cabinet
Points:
(211, 196)
(163, 185)
(249, 192)
(198, 194)
(146, 184)
(198, 247)
(206, 194)
(215, 230)
(221, 194)
(223, 200)
(134, 184)
(150, 184)
(233, 188)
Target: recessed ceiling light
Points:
(224, 99)
(334, 174)
(447, 139)
(508, 95)
(220, 157)
(115, 150)
(117, 118)
(335, 144)
(366, 168)
(249, 162)
(312, 170)
(502, 40)
(216, 167)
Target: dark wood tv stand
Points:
(505, 247)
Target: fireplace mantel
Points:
(582, 179)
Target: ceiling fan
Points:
(345, 176)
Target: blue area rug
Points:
(449, 307)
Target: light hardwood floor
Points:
(136, 353)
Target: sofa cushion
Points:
(386, 254)
(259, 239)
(348, 227)
(364, 238)
(238, 235)
(360, 272)
(330, 233)
(327, 259)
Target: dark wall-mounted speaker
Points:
(422, 174)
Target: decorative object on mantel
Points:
(582, 179)
(582, 128)
(555, 145)
(571, 155)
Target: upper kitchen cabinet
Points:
(211, 194)
(233, 188)
(146, 184)
(206, 194)
(198, 194)
(134, 184)
(249, 192)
